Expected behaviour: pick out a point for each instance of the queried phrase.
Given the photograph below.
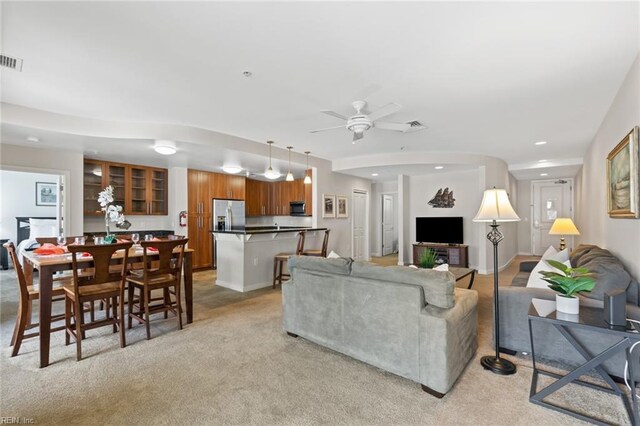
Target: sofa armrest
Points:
(527, 266)
(514, 309)
(448, 340)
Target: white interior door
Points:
(359, 225)
(388, 222)
(551, 200)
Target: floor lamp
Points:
(496, 208)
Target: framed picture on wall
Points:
(342, 207)
(46, 193)
(622, 177)
(328, 205)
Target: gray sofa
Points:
(550, 345)
(413, 323)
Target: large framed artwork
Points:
(46, 193)
(622, 177)
(328, 205)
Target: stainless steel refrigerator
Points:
(228, 215)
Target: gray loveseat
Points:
(413, 323)
(516, 299)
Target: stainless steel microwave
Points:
(297, 208)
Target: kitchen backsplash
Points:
(302, 221)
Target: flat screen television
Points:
(446, 230)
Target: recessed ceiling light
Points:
(374, 174)
(231, 169)
(439, 167)
(165, 147)
(541, 143)
(33, 139)
(542, 161)
(544, 174)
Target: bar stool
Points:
(323, 251)
(280, 258)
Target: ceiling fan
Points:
(361, 122)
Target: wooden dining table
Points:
(48, 265)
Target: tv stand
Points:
(453, 254)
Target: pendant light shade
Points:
(270, 173)
(307, 176)
(289, 174)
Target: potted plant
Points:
(428, 258)
(568, 284)
(112, 212)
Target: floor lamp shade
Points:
(496, 208)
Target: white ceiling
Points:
(486, 78)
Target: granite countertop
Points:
(266, 230)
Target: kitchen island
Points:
(245, 255)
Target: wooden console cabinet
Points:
(454, 255)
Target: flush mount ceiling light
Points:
(270, 173)
(232, 169)
(439, 167)
(541, 143)
(542, 161)
(289, 174)
(165, 147)
(307, 176)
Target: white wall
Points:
(68, 164)
(523, 208)
(18, 197)
(464, 186)
(620, 236)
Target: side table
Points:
(4, 258)
(591, 319)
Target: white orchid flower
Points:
(112, 212)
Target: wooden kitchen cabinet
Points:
(257, 198)
(227, 186)
(199, 188)
(140, 190)
(273, 198)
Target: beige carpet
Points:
(235, 365)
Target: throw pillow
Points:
(535, 279)
(42, 228)
(443, 267)
(333, 255)
(549, 252)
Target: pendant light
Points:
(307, 176)
(289, 175)
(270, 173)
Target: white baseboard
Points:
(524, 254)
(376, 254)
(243, 289)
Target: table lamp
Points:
(563, 226)
(496, 208)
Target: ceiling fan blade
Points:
(384, 111)
(357, 136)
(334, 114)
(400, 127)
(326, 128)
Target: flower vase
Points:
(567, 305)
(109, 239)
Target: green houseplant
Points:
(428, 258)
(568, 283)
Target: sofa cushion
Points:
(437, 286)
(340, 266)
(607, 270)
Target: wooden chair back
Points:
(300, 246)
(22, 282)
(101, 254)
(164, 264)
(325, 243)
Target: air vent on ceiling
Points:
(416, 126)
(11, 62)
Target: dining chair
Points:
(161, 271)
(26, 295)
(101, 283)
(323, 251)
(281, 258)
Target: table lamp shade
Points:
(496, 206)
(563, 226)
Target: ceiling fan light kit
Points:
(361, 122)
